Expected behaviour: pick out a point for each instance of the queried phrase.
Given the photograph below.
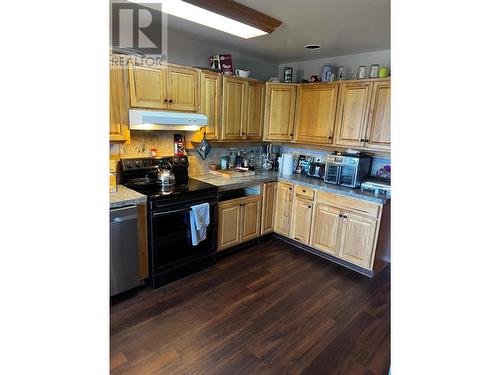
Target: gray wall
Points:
(304, 69)
(190, 52)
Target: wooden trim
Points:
(143, 241)
(239, 12)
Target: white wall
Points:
(190, 52)
(304, 69)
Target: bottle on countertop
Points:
(251, 161)
(231, 161)
(238, 160)
(244, 161)
(223, 162)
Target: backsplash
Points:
(141, 141)
(199, 166)
(377, 162)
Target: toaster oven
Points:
(347, 170)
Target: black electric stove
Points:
(171, 252)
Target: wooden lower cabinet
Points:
(228, 227)
(301, 220)
(250, 218)
(268, 206)
(325, 229)
(357, 242)
(283, 211)
(239, 221)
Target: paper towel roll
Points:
(287, 164)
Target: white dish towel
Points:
(199, 220)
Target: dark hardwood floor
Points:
(270, 309)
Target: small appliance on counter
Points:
(317, 170)
(347, 169)
(376, 185)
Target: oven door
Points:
(171, 237)
(332, 173)
(348, 176)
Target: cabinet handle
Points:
(303, 191)
(291, 134)
(345, 217)
(308, 206)
(330, 137)
(289, 188)
(166, 101)
(340, 215)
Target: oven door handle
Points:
(188, 209)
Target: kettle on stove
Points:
(166, 175)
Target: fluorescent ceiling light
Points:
(207, 18)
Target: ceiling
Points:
(341, 27)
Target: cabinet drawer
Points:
(304, 192)
(356, 205)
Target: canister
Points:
(341, 73)
(374, 70)
(223, 162)
(361, 72)
(383, 72)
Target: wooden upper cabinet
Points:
(255, 119)
(301, 220)
(315, 117)
(352, 113)
(250, 218)
(118, 106)
(378, 132)
(210, 92)
(234, 107)
(357, 239)
(182, 90)
(283, 211)
(268, 205)
(148, 86)
(325, 228)
(279, 113)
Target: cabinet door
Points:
(325, 228)
(250, 218)
(268, 205)
(255, 118)
(118, 106)
(282, 213)
(315, 117)
(211, 86)
(352, 113)
(280, 111)
(228, 225)
(301, 220)
(234, 107)
(357, 241)
(378, 132)
(148, 86)
(183, 89)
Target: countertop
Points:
(125, 197)
(263, 176)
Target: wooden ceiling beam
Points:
(239, 12)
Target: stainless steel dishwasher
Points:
(124, 249)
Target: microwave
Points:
(347, 170)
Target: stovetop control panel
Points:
(136, 164)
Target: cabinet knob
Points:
(308, 206)
(303, 191)
(330, 137)
(289, 188)
(345, 217)
(340, 215)
(291, 134)
(166, 101)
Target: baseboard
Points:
(326, 256)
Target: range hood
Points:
(142, 119)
